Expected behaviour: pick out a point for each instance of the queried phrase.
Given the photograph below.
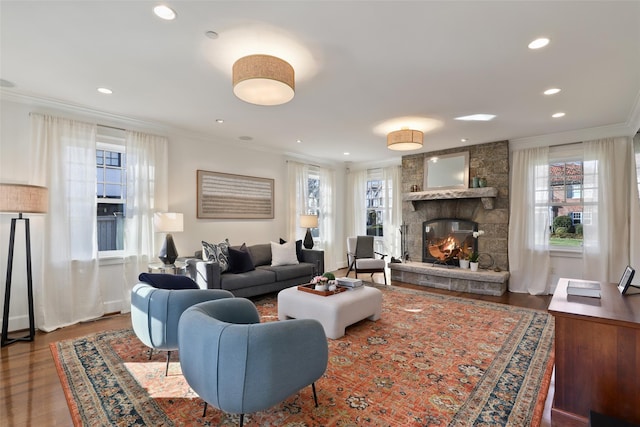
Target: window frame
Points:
(375, 203)
(566, 154)
(117, 145)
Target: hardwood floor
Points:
(31, 393)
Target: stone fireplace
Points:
(487, 208)
(444, 240)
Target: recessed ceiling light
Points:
(346, 153)
(477, 117)
(105, 90)
(299, 141)
(219, 120)
(464, 140)
(538, 43)
(551, 91)
(556, 115)
(164, 12)
(211, 34)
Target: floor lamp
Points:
(20, 199)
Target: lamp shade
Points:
(22, 198)
(404, 140)
(308, 221)
(168, 222)
(263, 80)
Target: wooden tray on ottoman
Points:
(309, 287)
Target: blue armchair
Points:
(155, 313)
(240, 365)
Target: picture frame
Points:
(229, 196)
(625, 281)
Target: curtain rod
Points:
(112, 127)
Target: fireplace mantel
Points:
(485, 194)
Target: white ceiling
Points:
(358, 64)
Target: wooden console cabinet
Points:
(597, 345)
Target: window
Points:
(313, 198)
(374, 198)
(567, 187)
(110, 196)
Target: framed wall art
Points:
(229, 196)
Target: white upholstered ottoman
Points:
(334, 312)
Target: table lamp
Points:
(308, 222)
(19, 198)
(168, 222)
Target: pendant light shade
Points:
(263, 80)
(404, 140)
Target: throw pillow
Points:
(168, 281)
(218, 253)
(298, 248)
(283, 254)
(240, 260)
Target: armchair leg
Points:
(166, 371)
(205, 409)
(241, 419)
(351, 268)
(150, 353)
(315, 396)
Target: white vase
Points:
(464, 263)
(474, 266)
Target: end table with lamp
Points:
(178, 268)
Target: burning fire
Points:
(445, 249)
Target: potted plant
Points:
(463, 259)
(473, 261)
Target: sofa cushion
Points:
(302, 271)
(168, 281)
(261, 254)
(283, 254)
(217, 252)
(298, 248)
(255, 277)
(240, 260)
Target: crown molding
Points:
(580, 135)
(79, 112)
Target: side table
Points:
(178, 267)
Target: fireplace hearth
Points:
(445, 240)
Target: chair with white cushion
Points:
(362, 258)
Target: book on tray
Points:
(347, 282)
(583, 288)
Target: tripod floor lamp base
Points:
(6, 340)
(20, 198)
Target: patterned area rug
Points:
(431, 360)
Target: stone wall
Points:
(490, 161)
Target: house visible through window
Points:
(374, 199)
(567, 186)
(110, 196)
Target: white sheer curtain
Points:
(147, 182)
(529, 261)
(356, 209)
(297, 189)
(327, 218)
(609, 170)
(298, 178)
(69, 291)
(391, 176)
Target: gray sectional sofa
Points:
(263, 279)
